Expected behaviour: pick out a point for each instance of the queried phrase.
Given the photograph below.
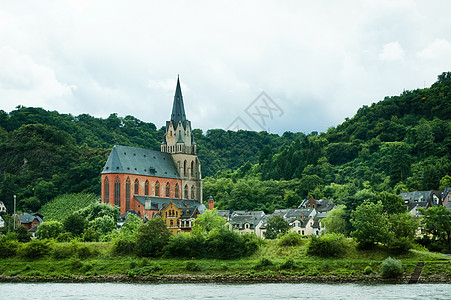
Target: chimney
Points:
(211, 203)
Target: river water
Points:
(98, 291)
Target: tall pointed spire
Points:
(178, 108)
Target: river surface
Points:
(262, 291)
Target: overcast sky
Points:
(317, 62)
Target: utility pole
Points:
(14, 212)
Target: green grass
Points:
(62, 206)
(270, 261)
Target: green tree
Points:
(393, 204)
(371, 224)
(152, 237)
(275, 226)
(335, 221)
(103, 225)
(445, 182)
(23, 235)
(75, 224)
(208, 221)
(404, 227)
(437, 222)
(49, 230)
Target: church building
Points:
(148, 182)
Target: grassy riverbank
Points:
(95, 262)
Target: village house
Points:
(149, 181)
(2, 208)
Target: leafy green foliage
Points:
(152, 237)
(208, 221)
(49, 230)
(75, 224)
(23, 235)
(35, 249)
(276, 226)
(391, 268)
(335, 221)
(329, 245)
(437, 222)
(371, 225)
(8, 246)
(290, 239)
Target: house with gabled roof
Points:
(29, 220)
(134, 177)
(2, 207)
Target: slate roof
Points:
(178, 108)
(26, 218)
(139, 161)
(238, 221)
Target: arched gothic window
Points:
(146, 188)
(136, 187)
(106, 189)
(157, 189)
(117, 192)
(192, 168)
(192, 192)
(186, 191)
(184, 168)
(167, 189)
(176, 190)
(127, 194)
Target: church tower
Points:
(179, 142)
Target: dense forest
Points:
(401, 143)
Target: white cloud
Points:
(392, 52)
(23, 81)
(438, 49)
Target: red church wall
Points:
(134, 204)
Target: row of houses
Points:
(305, 220)
(425, 199)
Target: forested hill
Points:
(402, 142)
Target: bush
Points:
(62, 251)
(186, 245)
(192, 266)
(152, 237)
(91, 235)
(35, 249)
(124, 245)
(400, 245)
(290, 239)
(288, 264)
(84, 252)
(224, 244)
(263, 262)
(391, 268)
(49, 230)
(8, 247)
(329, 245)
(368, 270)
(64, 237)
(23, 235)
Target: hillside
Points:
(400, 143)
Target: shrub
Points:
(84, 252)
(64, 237)
(49, 230)
(8, 247)
(62, 251)
(391, 268)
(329, 245)
(152, 237)
(186, 245)
(35, 249)
(23, 235)
(400, 245)
(91, 235)
(263, 262)
(290, 239)
(192, 266)
(368, 270)
(288, 264)
(224, 244)
(124, 245)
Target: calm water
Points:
(111, 291)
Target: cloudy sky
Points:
(274, 65)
